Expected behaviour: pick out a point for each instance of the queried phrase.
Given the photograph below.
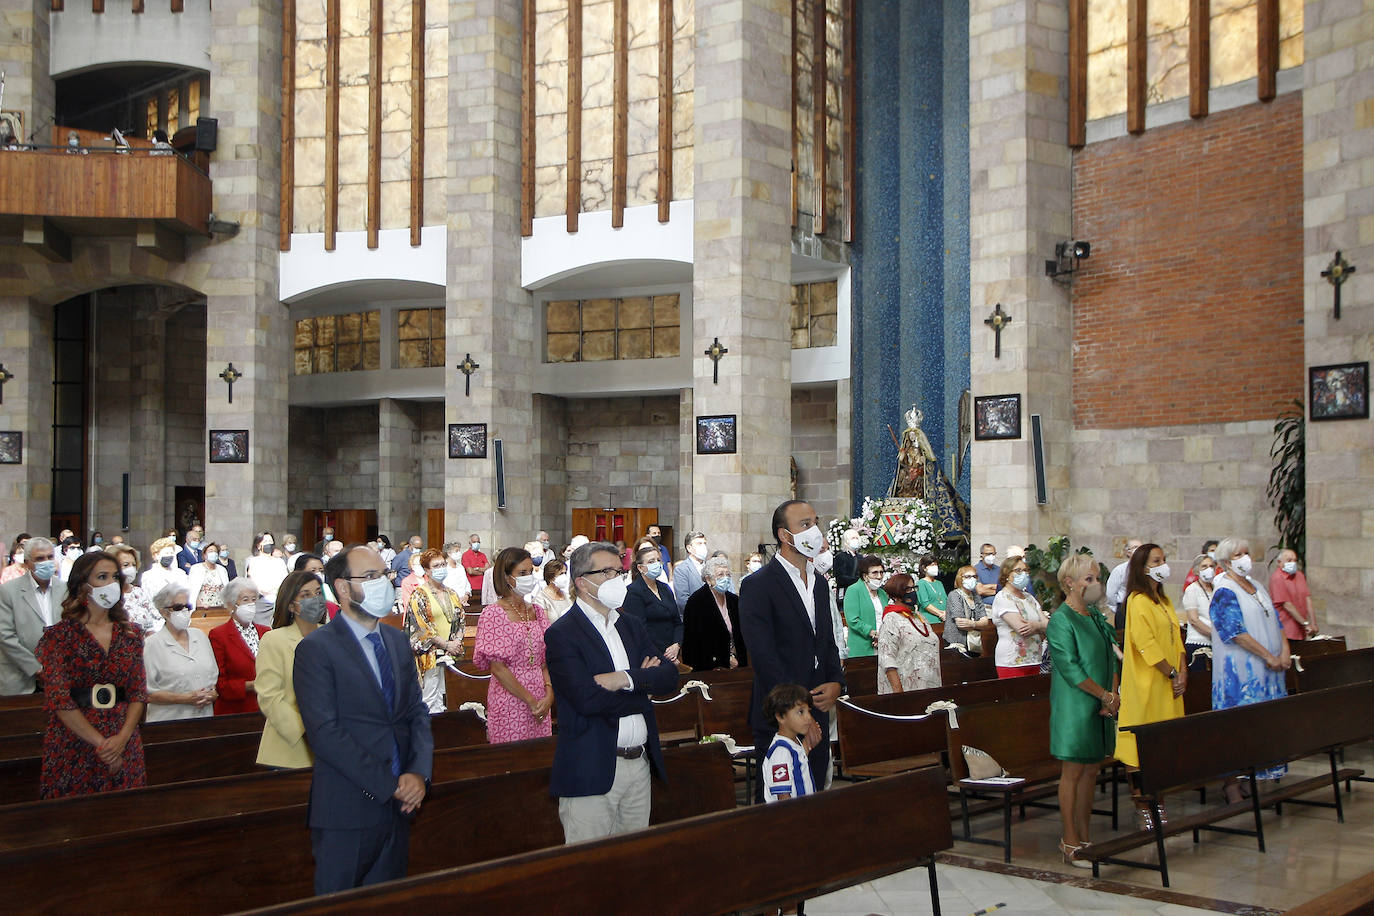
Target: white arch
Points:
(120, 37)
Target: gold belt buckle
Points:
(103, 696)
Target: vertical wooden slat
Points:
(793, 64)
(621, 111)
(818, 108)
(1136, 22)
(1199, 56)
(574, 169)
(374, 123)
(1268, 41)
(178, 6)
(527, 120)
(97, 6)
(847, 122)
(58, 5)
(665, 109)
(1078, 73)
(288, 121)
(417, 120)
(331, 123)
(137, 6)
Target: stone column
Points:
(26, 488)
(398, 469)
(24, 42)
(1338, 160)
(1019, 207)
(489, 314)
(742, 266)
(149, 510)
(246, 322)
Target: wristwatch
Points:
(1173, 673)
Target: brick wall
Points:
(1195, 278)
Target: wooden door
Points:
(355, 526)
(434, 528)
(624, 524)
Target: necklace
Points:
(526, 616)
(918, 624)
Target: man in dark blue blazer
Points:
(367, 727)
(604, 669)
(790, 639)
(189, 555)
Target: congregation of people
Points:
(108, 635)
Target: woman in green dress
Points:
(863, 607)
(1084, 698)
(930, 592)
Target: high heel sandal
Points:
(1071, 855)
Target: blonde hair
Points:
(1074, 567)
(159, 545)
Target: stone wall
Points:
(183, 402)
(433, 453)
(333, 461)
(814, 444)
(551, 417)
(623, 452)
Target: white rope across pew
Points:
(448, 662)
(704, 687)
(844, 701)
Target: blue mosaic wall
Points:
(910, 256)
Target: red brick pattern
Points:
(1195, 279)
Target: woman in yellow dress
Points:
(1154, 669)
(434, 623)
(298, 610)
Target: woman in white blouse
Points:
(163, 570)
(267, 572)
(1197, 598)
(207, 580)
(137, 604)
(1020, 622)
(179, 662)
(554, 597)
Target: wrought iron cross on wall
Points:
(997, 321)
(715, 351)
(231, 375)
(1336, 273)
(5, 376)
(467, 367)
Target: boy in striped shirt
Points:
(786, 773)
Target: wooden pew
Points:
(873, 746)
(1309, 650)
(738, 854)
(12, 746)
(21, 701)
(727, 713)
(1336, 670)
(221, 755)
(25, 719)
(39, 822)
(1354, 898)
(466, 685)
(263, 857)
(676, 717)
(861, 674)
(1241, 740)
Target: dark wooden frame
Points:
(1267, 48)
(1199, 56)
(1078, 73)
(620, 90)
(819, 46)
(700, 425)
(455, 427)
(527, 135)
(1137, 31)
(417, 120)
(665, 109)
(980, 433)
(374, 123)
(331, 123)
(12, 439)
(574, 167)
(238, 435)
(1360, 412)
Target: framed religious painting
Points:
(997, 416)
(1338, 392)
(716, 435)
(11, 447)
(467, 440)
(228, 446)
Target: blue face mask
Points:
(1022, 580)
(724, 585)
(537, 561)
(653, 570)
(44, 569)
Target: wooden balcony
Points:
(49, 195)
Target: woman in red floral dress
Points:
(94, 687)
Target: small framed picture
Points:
(228, 446)
(1339, 392)
(997, 416)
(467, 440)
(716, 435)
(11, 448)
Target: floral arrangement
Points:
(898, 531)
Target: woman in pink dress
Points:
(510, 643)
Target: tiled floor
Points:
(1308, 854)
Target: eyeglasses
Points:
(178, 607)
(608, 571)
(371, 575)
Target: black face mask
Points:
(166, 562)
(656, 538)
(909, 599)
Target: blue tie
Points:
(388, 691)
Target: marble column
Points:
(489, 314)
(26, 488)
(25, 37)
(1338, 213)
(742, 266)
(398, 467)
(246, 322)
(1019, 207)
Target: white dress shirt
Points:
(803, 586)
(1116, 585)
(52, 610)
(155, 578)
(633, 730)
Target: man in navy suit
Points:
(368, 728)
(604, 668)
(189, 555)
(784, 611)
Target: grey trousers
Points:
(625, 807)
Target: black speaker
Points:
(1038, 446)
(500, 473)
(207, 134)
(124, 502)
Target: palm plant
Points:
(1287, 490)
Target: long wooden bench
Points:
(1354, 898)
(873, 744)
(743, 861)
(1336, 670)
(12, 746)
(1243, 739)
(53, 820)
(220, 755)
(263, 857)
(1310, 650)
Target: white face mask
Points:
(755, 566)
(129, 573)
(933, 570)
(823, 562)
(244, 613)
(527, 585)
(969, 583)
(378, 597)
(179, 620)
(990, 559)
(1290, 567)
(212, 557)
(1207, 574)
(1159, 573)
(1242, 564)
(612, 594)
(851, 544)
(698, 552)
(875, 582)
(19, 556)
(560, 582)
(107, 596)
(809, 543)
